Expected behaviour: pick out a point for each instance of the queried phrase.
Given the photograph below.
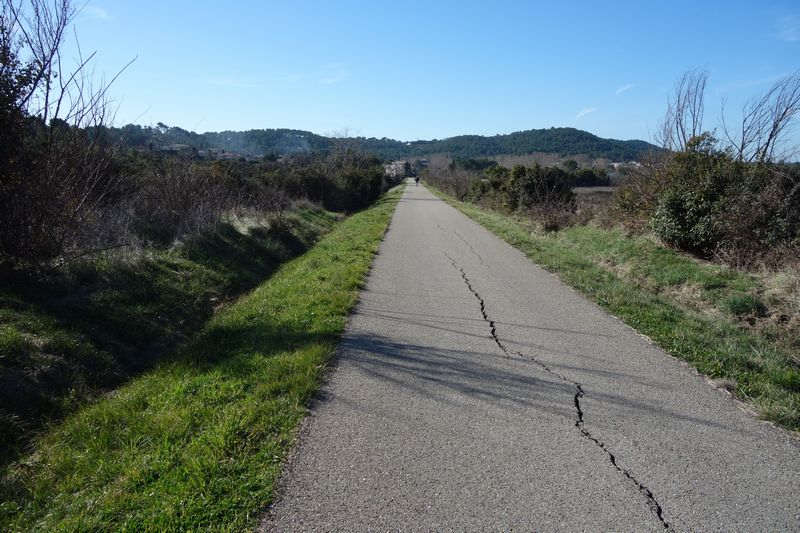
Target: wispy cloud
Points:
(626, 87)
(96, 13)
(334, 73)
(789, 28)
(585, 111)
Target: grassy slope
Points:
(634, 279)
(68, 336)
(197, 443)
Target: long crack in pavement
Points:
(655, 507)
(430, 422)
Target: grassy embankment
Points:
(699, 312)
(198, 441)
(68, 336)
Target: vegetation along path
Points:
(197, 442)
(474, 390)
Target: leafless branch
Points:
(685, 109)
(765, 121)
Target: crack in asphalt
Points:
(652, 503)
(492, 326)
(466, 243)
(471, 249)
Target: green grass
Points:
(657, 268)
(68, 336)
(760, 371)
(745, 304)
(198, 443)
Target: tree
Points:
(683, 119)
(55, 157)
(765, 120)
(571, 165)
(16, 79)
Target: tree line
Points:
(264, 142)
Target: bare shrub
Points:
(179, 197)
(452, 180)
(55, 160)
(554, 216)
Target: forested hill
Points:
(257, 143)
(564, 141)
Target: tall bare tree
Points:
(765, 121)
(685, 109)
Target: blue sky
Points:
(422, 70)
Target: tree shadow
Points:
(91, 328)
(456, 377)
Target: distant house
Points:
(398, 169)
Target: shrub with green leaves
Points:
(712, 201)
(697, 181)
(524, 187)
(745, 304)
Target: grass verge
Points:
(757, 368)
(197, 443)
(70, 335)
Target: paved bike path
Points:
(474, 391)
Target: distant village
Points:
(405, 169)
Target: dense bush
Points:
(706, 201)
(520, 188)
(698, 179)
(590, 177)
(543, 192)
(760, 215)
(100, 196)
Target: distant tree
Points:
(571, 165)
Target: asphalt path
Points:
(474, 391)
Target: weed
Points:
(745, 304)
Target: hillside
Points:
(563, 141)
(258, 143)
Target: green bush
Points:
(697, 179)
(542, 185)
(704, 200)
(684, 219)
(745, 304)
